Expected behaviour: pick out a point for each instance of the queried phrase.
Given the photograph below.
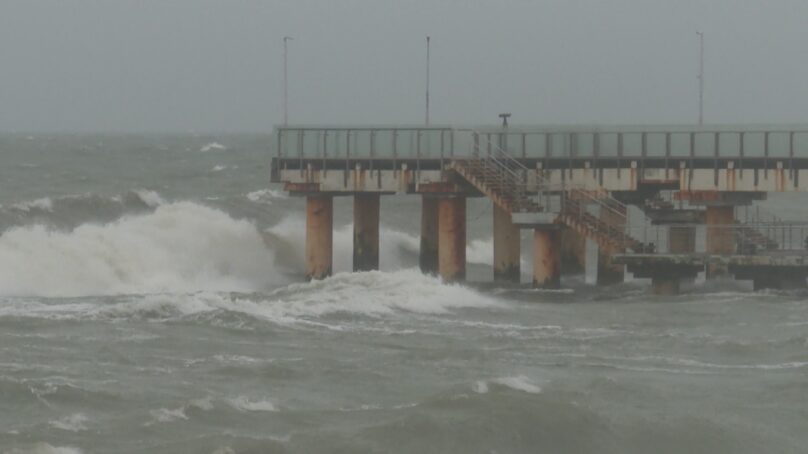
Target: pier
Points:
(645, 196)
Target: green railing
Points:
(414, 142)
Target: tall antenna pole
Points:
(701, 77)
(427, 80)
(286, 81)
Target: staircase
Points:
(503, 179)
(749, 239)
(607, 230)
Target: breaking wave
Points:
(179, 247)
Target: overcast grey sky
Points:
(197, 65)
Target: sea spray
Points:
(180, 247)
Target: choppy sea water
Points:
(151, 300)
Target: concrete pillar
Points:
(779, 279)
(573, 252)
(452, 238)
(546, 258)
(720, 237)
(608, 272)
(319, 236)
(506, 247)
(428, 259)
(366, 232)
(681, 239)
(665, 285)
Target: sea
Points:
(152, 300)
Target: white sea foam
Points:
(213, 146)
(266, 195)
(518, 383)
(376, 293)
(243, 403)
(43, 204)
(150, 198)
(45, 448)
(180, 247)
(218, 168)
(73, 423)
(168, 415)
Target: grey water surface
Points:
(151, 301)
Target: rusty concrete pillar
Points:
(428, 259)
(452, 238)
(506, 247)
(720, 236)
(546, 258)
(665, 285)
(573, 252)
(610, 273)
(681, 239)
(366, 232)
(319, 236)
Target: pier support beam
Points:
(665, 285)
(573, 252)
(452, 238)
(720, 236)
(681, 239)
(610, 273)
(428, 259)
(366, 232)
(546, 258)
(506, 247)
(319, 236)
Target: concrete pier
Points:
(428, 259)
(573, 252)
(610, 273)
(681, 239)
(720, 237)
(506, 247)
(319, 236)
(366, 232)
(665, 285)
(452, 238)
(546, 258)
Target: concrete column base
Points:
(428, 259)
(665, 285)
(366, 232)
(573, 252)
(720, 237)
(610, 273)
(452, 238)
(319, 236)
(506, 247)
(546, 258)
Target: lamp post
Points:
(701, 77)
(427, 80)
(286, 39)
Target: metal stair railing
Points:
(500, 172)
(611, 229)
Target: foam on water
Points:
(180, 247)
(243, 403)
(370, 294)
(73, 423)
(213, 146)
(45, 448)
(517, 383)
(266, 196)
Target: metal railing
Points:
(731, 239)
(546, 142)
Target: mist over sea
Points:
(152, 301)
